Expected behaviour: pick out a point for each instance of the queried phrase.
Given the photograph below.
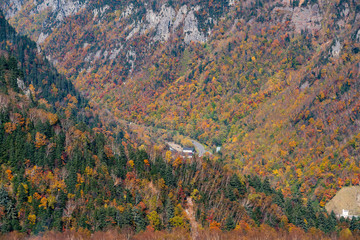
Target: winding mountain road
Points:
(199, 148)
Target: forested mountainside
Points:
(62, 178)
(272, 82)
(60, 175)
(275, 83)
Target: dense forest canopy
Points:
(274, 84)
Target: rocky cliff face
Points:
(140, 19)
(47, 21)
(129, 21)
(107, 31)
(11, 8)
(58, 8)
(165, 22)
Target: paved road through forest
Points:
(199, 148)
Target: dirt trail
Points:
(191, 215)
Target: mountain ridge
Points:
(274, 84)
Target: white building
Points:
(189, 152)
(345, 213)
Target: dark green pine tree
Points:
(5, 148)
(141, 155)
(14, 73)
(19, 151)
(332, 221)
(279, 199)
(169, 211)
(56, 222)
(355, 224)
(11, 150)
(71, 179)
(60, 143)
(125, 218)
(10, 221)
(310, 215)
(230, 224)
(3, 87)
(120, 166)
(322, 222)
(266, 187)
(299, 216)
(256, 214)
(255, 182)
(169, 177)
(236, 188)
(99, 146)
(139, 219)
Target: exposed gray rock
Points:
(160, 21)
(128, 11)
(135, 30)
(42, 38)
(115, 52)
(180, 16)
(23, 88)
(101, 11)
(346, 11)
(357, 18)
(131, 58)
(304, 86)
(52, 60)
(336, 49)
(12, 7)
(165, 21)
(152, 19)
(4, 102)
(88, 58)
(341, 23)
(97, 55)
(61, 8)
(191, 29)
(306, 18)
(232, 2)
(106, 54)
(302, 18)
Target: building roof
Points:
(188, 149)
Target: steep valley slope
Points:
(275, 83)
